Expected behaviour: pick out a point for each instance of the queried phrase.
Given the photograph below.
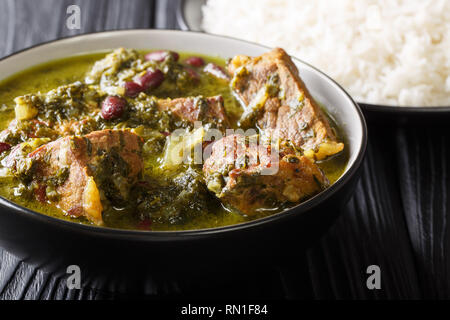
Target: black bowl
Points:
(105, 253)
(189, 18)
(405, 116)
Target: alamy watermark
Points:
(74, 279)
(73, 21)
(374, 280)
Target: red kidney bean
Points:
(193, 74)
(113, 107)
(196, 62)
(143, 184)
(145, 224)
(4, 147)
(41, 194)
(151, 80)
(160, 56)
(132, 89)
(175, 55)
(216, 71)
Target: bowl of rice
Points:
(392, 56)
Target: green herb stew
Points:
(162, 140)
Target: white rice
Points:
(394, 52)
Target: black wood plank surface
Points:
(397, 218)
(424, 161)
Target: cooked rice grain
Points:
(394, 52)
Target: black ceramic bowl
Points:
(410, 116)
(53, 244)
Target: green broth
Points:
(47, 76)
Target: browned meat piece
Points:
(78, 173)
(210, 110)
(277, 100)
(249, 177)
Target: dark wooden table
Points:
(397, 218)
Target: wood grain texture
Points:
(397, 218)
(424, 161)
(24, 23)
(372, 230)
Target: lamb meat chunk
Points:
(211, 109)
(249, 176)
(80, 174)
(276, 99)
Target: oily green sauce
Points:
(48, 76)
